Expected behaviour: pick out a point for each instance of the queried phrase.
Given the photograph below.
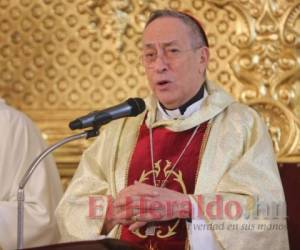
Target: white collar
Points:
(163, 114)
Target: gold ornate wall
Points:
(62, 59)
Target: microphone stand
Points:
(21, 195)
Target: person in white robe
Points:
(20, 144)
(238, 162)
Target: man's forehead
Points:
(166, 30)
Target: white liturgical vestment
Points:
(20, 144)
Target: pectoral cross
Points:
(150, 230)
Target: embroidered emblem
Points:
(170, 175)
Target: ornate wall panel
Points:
(61, 59)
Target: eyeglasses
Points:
(149, 56)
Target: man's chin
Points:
(168, 103)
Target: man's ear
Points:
(204, 57)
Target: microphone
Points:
(131, 107)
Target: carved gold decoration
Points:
(62, 59)
(267, 66)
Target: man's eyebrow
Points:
(174, 42)
(151, 45)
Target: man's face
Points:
(174, 70)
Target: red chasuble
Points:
(167, 146)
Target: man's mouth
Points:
(163, 82)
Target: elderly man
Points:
(192, 171)
(20, 144)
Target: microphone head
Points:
(137, 104)
(75, 124)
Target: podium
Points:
(290, 177)
(105, 244)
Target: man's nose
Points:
(161, 62)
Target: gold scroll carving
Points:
(62, 59)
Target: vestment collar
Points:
(214, 103)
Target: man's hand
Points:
(141, 203)
(125, 207)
